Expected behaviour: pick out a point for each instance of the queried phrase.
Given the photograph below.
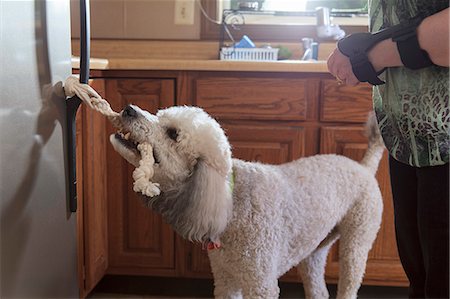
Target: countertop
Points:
(204, 65)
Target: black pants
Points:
(421, 209)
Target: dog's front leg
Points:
(225, 287)
(259, 280)
(261, 290)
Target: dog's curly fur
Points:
(275, 216)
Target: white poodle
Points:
(258, 220)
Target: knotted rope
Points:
(89, 96)
(143, 173)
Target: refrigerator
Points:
(38, 248)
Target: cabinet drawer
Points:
(273, 145)
(341, 103)
(253, 98)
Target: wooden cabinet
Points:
(139, 241)
(252, 98)
(92, 195)
(345, 104)
(274, 145)
(268, 117)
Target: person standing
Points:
(406, 58)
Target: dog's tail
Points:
(376, 146)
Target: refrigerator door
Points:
(38, 233)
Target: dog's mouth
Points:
(130, 145)
(126, 141)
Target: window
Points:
(287, 26)
(284, 5)
(354, 6)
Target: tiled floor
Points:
(112, 287)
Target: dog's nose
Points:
(129, 112)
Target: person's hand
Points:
(339, 66)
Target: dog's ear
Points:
(211, 200)
(201, 207)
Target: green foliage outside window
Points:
(357, 5)
(338, 4)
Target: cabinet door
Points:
(274, 145)
(139, 241)
(383, 265)
(91, 191)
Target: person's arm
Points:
(433, 34)
(433, 37)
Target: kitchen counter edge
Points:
(204, 65)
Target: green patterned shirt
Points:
(412, 107)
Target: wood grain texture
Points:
(253, 98)
(176, 50)
(267, 144)
(92, 206)
(150, 49)
(341, 103)
(80, 199)
(196, 261)
(138, 237)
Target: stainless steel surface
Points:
(307, 48)
(324, 28)
(322, 16)
(38, 235)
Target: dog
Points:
(258, 220)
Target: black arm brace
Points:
(356, 46)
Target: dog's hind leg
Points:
(312, 270)
(358, 231)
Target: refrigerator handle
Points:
(74, 102)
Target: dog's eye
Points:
(172, 133)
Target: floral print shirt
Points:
(413, 106)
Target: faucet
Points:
(310, 49)
(325, 29)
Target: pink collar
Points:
(210, 245)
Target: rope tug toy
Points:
(145, 171)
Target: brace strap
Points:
(411, 54)
(356, 47)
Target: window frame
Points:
(261, 33)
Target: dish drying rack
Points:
(231, 20)
(249, 54)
